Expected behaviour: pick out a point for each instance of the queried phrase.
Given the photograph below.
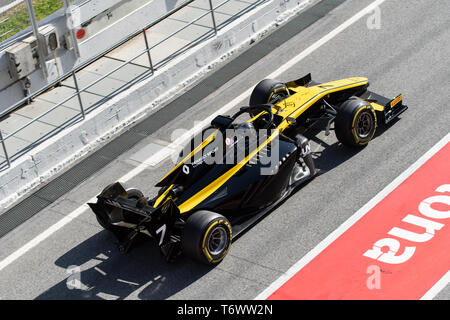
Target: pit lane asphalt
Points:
(408, 54)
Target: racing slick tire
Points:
(268, 91)
(355, 123)
(206, 237)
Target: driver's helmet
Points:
(244, 127)
(244, 137)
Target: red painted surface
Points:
(341, 271)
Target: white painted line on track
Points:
(353, 219)
(181, 140)
(441, 284)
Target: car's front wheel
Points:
(356, 123)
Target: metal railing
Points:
(8, 158)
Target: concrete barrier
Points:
(64, 150)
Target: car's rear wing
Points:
(116, 196)
(116, 208)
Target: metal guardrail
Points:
(83, 111)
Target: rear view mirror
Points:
(291, 120)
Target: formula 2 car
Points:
(234, 172)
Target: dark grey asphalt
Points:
(407, 54)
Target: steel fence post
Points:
(34, 26)
(78, 94)
(148, 50)
(4, 150)
(212, 16)
(69, 18)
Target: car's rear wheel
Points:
(355, 123)
(206, 237)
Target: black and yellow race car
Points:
(234, 172)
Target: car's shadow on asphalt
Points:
(97, 270)
(334, 154)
